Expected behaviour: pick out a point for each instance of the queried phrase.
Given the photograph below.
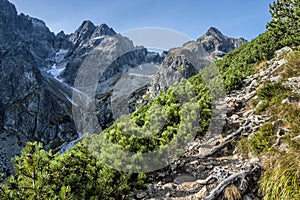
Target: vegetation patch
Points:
(281, 178)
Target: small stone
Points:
(283, 51)
(195, 162)
(284, 101)
(168, 186)
(259, 104)
(151, 189)
(141, 195)
(296, 138)
(284, 148)
(238, 166)
(247, 197)
(202, 193)
(247, 113)
(275, 79)
(234, 117)
(209, 167)
(168, 194)
(254, 160)
(173, 167)
(262, 73)
(201, 168)
(189, 170)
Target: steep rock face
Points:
(186, 61)
(120, 57)
(32, 107)
(122, 68)
(28, 31)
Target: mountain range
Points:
(39, 70)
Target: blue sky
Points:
(236, 18)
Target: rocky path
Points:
(211, 167)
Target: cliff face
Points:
(33, 104)
(186, 61)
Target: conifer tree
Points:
(285, 24)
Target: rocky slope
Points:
(186, 61)
(215, 166)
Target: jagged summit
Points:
(214, 41)
(87, 30)
(86, 23)
(84, 32)
(213, 31)
(103, 29)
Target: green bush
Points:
(261, 107)
(238, 64)
(285, 25)
(271, 90)
(76, 174)
(263, 140)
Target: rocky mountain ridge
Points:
(186, 61)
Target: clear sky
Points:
(236, 18)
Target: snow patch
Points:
(59, 56)
(55, 71)
(58, 66)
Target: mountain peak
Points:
(86, 26)
(88, 30)
(83, 33)
(212, 34)
(103, 29)
(213, 31)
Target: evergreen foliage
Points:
(76, 174)
(285, 24)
